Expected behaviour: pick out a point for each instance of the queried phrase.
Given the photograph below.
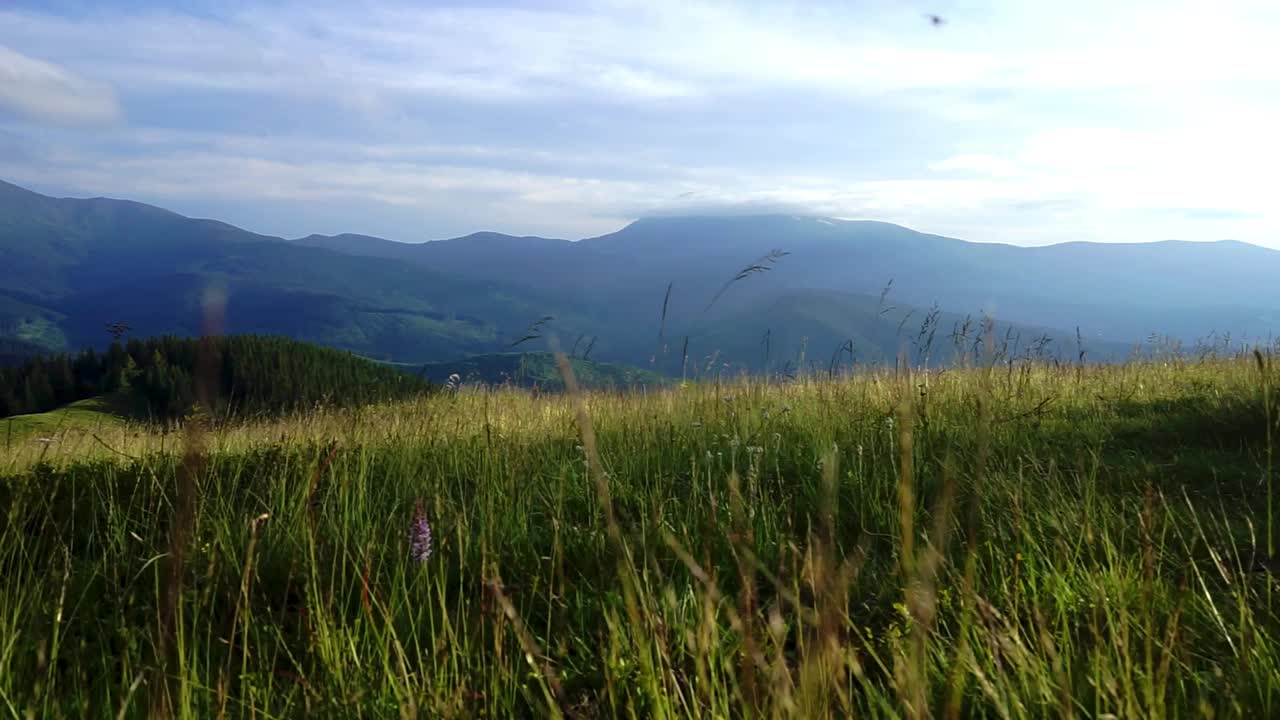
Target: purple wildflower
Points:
(420, 534)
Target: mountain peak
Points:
(72, 265)
(734, 218)
(772, 221)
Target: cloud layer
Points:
(1014, 122)
(44, 92)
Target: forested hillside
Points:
(538, 369)
(250, 375)
(14, 351)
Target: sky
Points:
(1028, 122)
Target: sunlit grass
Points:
(1082, 541)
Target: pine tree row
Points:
(242, 376)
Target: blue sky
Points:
(1022, 122)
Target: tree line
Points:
(246, 375)
(14, 351)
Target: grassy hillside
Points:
(1019, 541)
(75, 424)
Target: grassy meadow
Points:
(1019, 540)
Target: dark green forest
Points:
(538, 370)
(251, 375)
(14, 351)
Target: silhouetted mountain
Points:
(1119, 291)
(71, 266)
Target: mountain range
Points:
(669, 293)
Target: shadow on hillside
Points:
(1190, 449)
(1190, 423)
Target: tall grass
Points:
(1013, 542)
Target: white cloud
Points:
(670, 48)
(674, 49)
(1024, 122)
(46, 92)
(978, 163)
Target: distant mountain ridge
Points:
(654, 294)
(1122, 292)
(68, 267)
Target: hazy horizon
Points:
(726, 212)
